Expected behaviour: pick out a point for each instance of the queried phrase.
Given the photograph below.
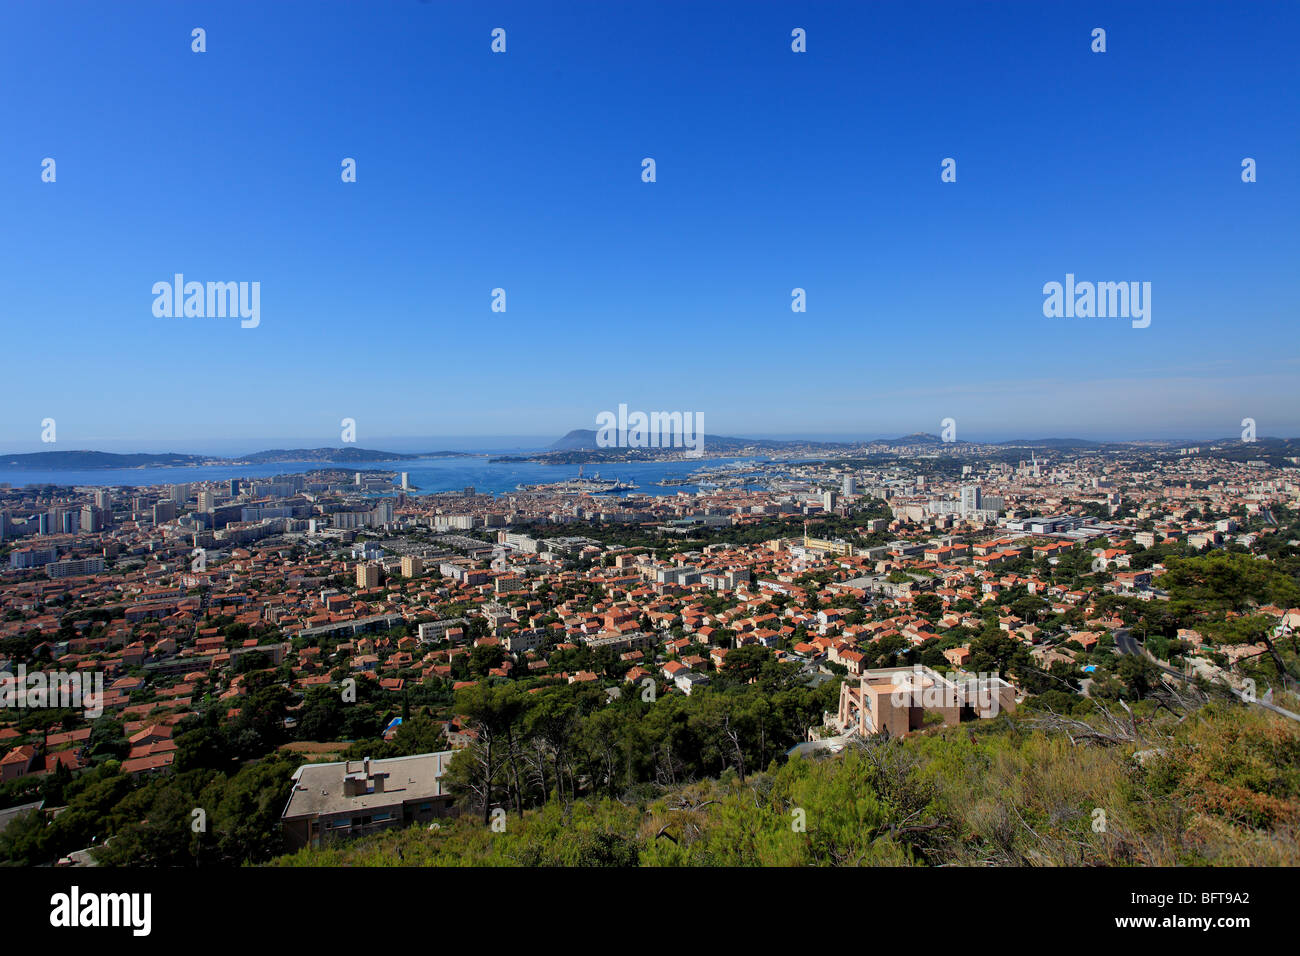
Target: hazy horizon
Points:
(504, 444)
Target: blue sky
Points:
(522, 170)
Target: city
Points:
(334, 623)
(730, 443)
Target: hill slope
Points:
(1222, 788)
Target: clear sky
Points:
(522, 170)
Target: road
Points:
(1128, 644)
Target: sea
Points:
(427, 475)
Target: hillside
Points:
(86, 460)
(584, 439)
(1221, 788)
(90, 460)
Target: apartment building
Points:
(31, 557)
(357, 797)
(897, 700)
(432, 632)
(368, 575)
(75, 568)
(517, 642)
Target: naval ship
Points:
(595, 485)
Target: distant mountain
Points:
(579, 439)
(584, 439)
(95, 460)
(579, 445)
(1278, 452)
(330, 455)
(918, 438)
(1053, 443)
(77, 460)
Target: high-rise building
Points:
(234, 487)
(103, 499)
(412, 566)
(367, 575)
(92, 519)
(828, 500)
(207, 500)
(970, 499)
(406, 480)
(31, 557)
(180, 493)
(164, 511)
(850, 486)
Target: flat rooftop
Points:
(318, 787)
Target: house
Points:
(898, 700)
(957, 656)
(1087, 639)
(155, 733)
(17, 763)
(689, 680)
(854, 661)
(672, 669)
(356, 797)
(149, 763)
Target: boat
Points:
(594, 485)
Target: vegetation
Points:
(584, 776)
(1220, 787)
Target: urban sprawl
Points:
(873, 583)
